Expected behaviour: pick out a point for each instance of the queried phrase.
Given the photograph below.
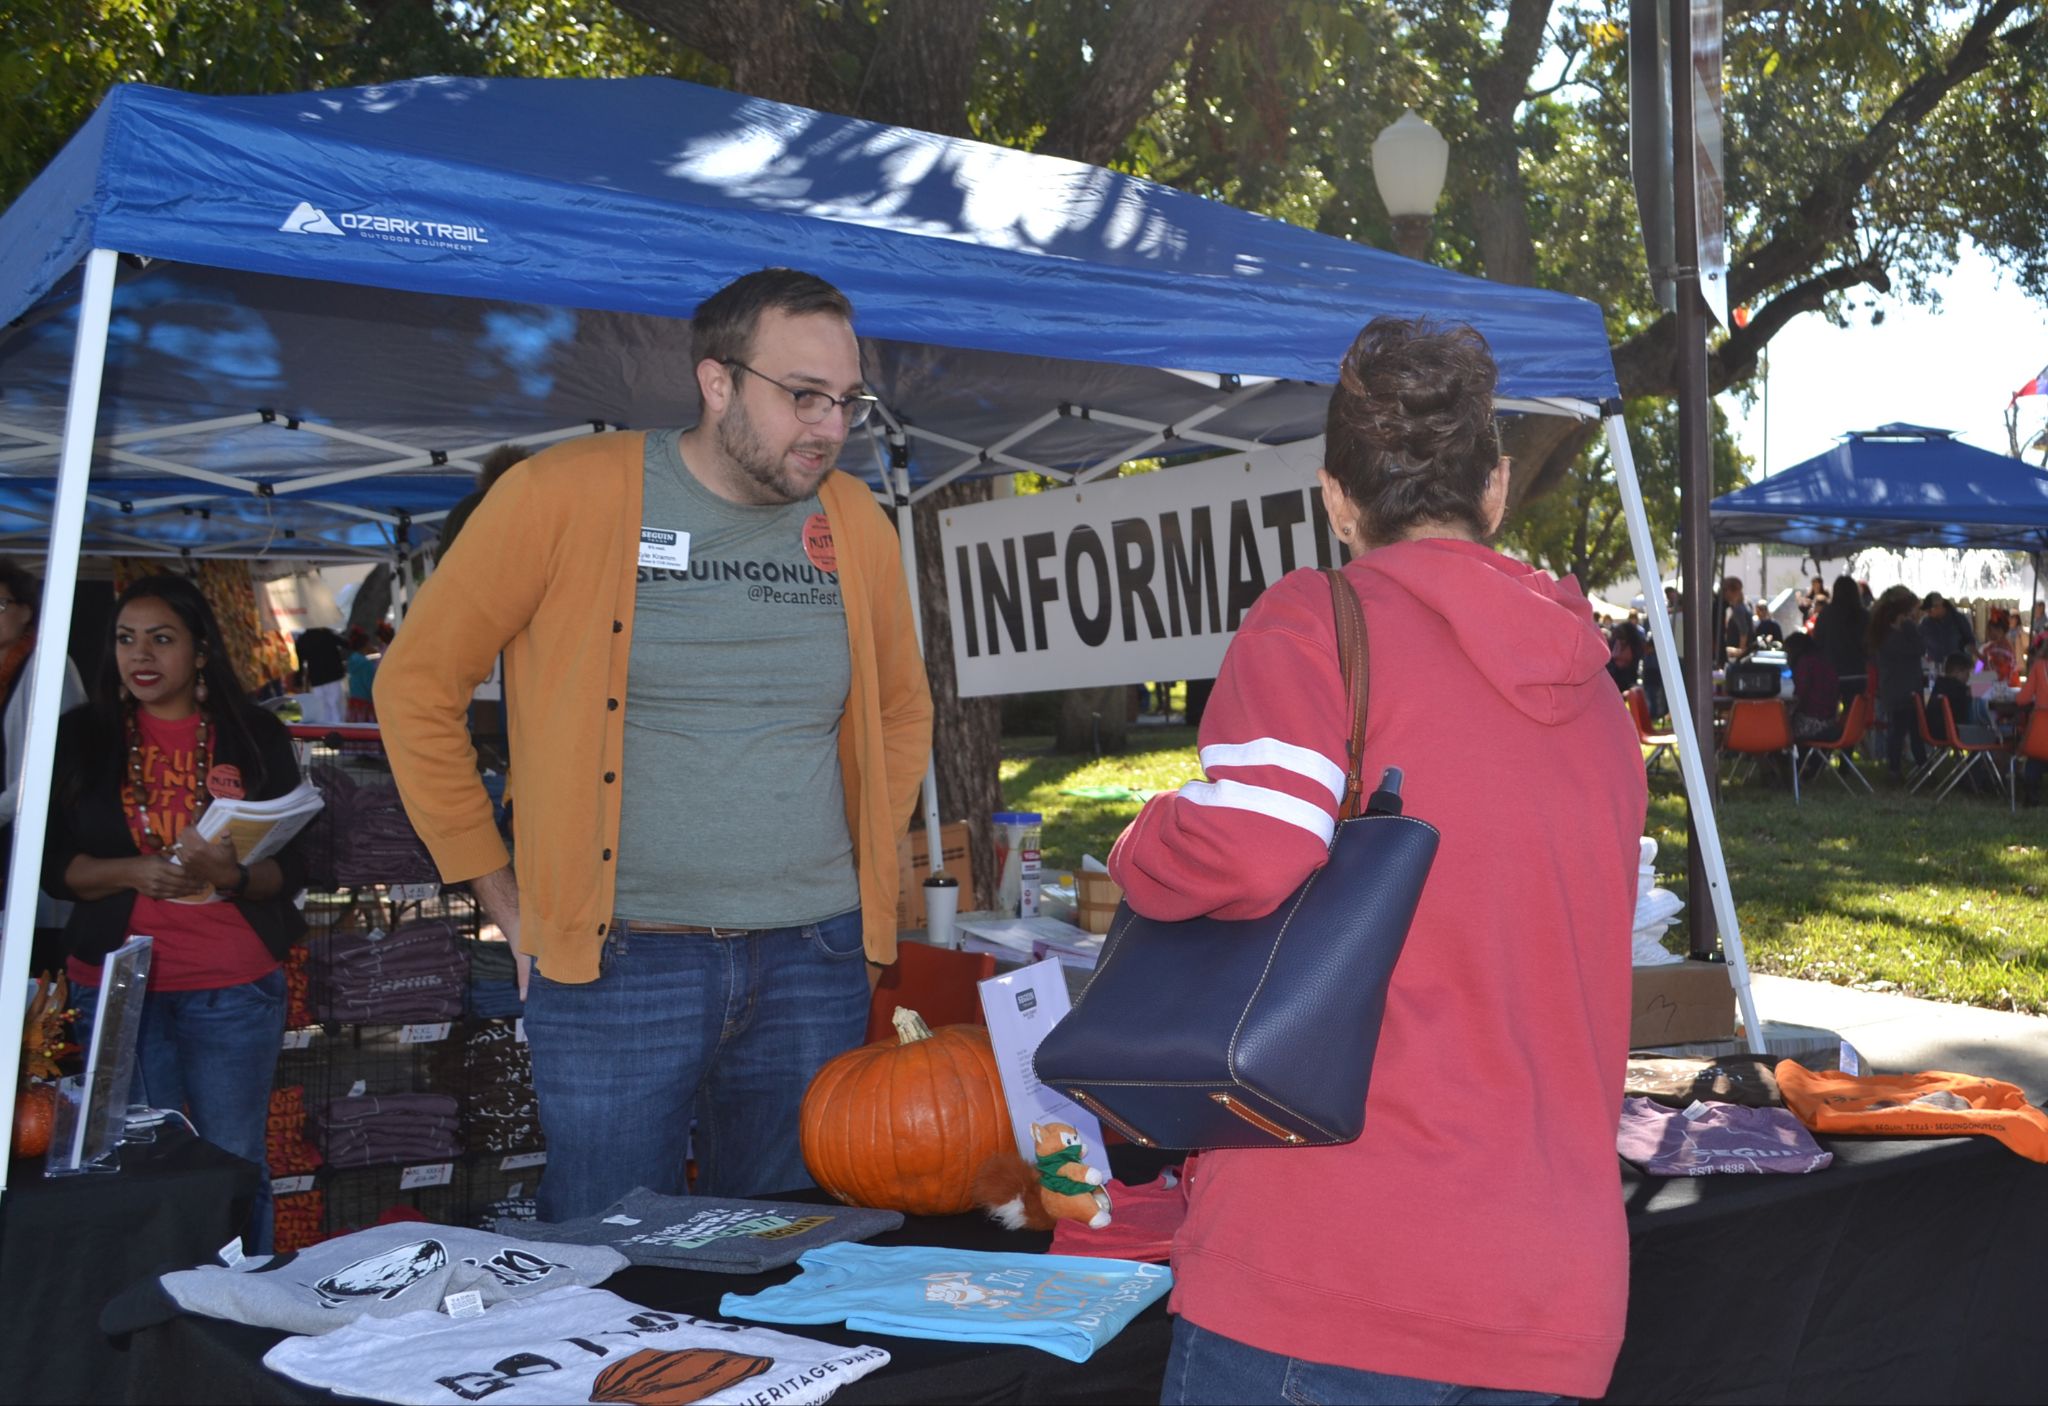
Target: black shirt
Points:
(1958, 695)
(87, 819)
(1735, 627)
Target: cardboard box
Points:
(1679, 1002)
(1099, 896)
(911, 871)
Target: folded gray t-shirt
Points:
(382, 1272)
(702, 1232)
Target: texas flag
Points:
(2037, 386)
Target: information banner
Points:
(1130, 579)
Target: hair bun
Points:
(1416, 393)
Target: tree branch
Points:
(1647, 363)
(1824, 214)
(1130, 63)
(1564, 80)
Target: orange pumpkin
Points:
(35, 1115)
(903, 1125)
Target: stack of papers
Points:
(261, 828)
(1018, 938)
(1082, 952)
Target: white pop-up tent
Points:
(311, 314)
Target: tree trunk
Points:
(1094, 721)
(768, 48)
(922, 71)
(1500, 204)
(967, 733)
(1131, 60)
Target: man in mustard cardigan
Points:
(719, 722)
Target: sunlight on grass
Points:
(1886, 892)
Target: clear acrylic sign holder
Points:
(92, 1108)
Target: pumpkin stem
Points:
(910, 1026)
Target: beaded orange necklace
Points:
(134, 793)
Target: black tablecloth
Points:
(1906, 1272)
(69, 1244)
(199, 1360)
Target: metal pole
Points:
(1713, 868)
(46, 678)
(906, 535)
(1695, 467)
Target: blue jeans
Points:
(728, 1028)
(212, 1054)
(1208, 1367)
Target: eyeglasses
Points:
(813, 406)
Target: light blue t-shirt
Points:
(1064, 1304)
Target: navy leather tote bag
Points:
(1261, 1032)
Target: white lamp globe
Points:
(1409, 161)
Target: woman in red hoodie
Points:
(1471, 1246)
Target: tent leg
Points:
(1697, 792)
(906, 534)
(60, 583)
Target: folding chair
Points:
(1662, 745)
(1939, 754)
(1972, 754)
(940, 985)
(1854, 725)
(2032, 746)
(1759, 727)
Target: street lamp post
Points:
(1409, 161)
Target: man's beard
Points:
(740, 443)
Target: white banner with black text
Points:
(1127, 580)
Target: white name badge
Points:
(664, 550)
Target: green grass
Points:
(1882, 892)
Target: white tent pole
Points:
(1697, 795)
(46, 679)
(906, 534)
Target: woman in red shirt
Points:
(1471, 1246)
(168, 729)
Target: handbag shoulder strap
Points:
(1353, 657)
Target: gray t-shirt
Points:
(733, 812)
(702, 1232)
(383, 1271)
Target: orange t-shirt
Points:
(1933, 1104)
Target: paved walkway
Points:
(1903, 1034)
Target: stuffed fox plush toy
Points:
(1020, 1196)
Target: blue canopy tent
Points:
(311, 314)
(328, 291)
(1894, 486)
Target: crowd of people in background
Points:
(1900, 647)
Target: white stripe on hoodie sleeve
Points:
(1271, 751)
(1262, 800)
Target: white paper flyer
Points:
(1022, 1006)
